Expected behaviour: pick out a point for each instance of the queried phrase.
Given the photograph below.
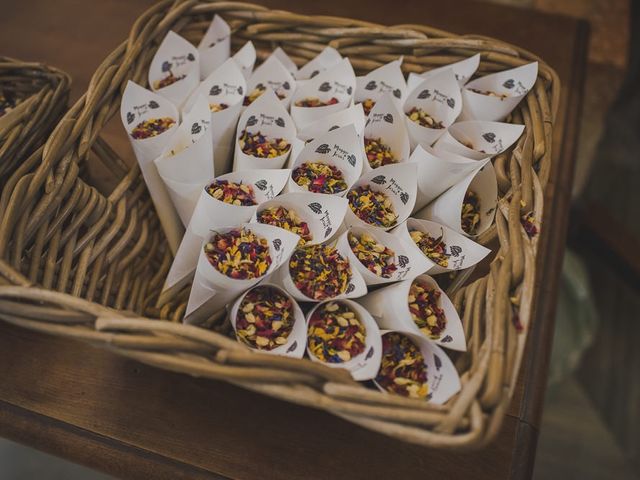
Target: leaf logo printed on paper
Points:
(456, 250)
(424, 94)
(372, 85)
(261, 184)
(215, 90)
(451, 102)
(369, 354)
(280, 122)
(292, 347)
(314, 73)
(324, 87)
(277, 244)
(240, 91)
(323, 149)
(334, 127)
(437, 361)
(352, 160)
(260, 86)
(153, 104)
(404, 197)
(379, 180)
(315, 208)
(327, 232)
(166, 66)
(368, 122)
(397, 93)
(251, 121)
(350, 288)
(349, 90)
(286, 85)
(195, 129)
(447, 339)
(489, 137)
(388, 118)
(509, 83)
(130, 117)
(403, 260)
(191, 57)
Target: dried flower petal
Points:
(470, 217)
(402, 368)
(239, 254)
(335, 334)
(315, 102)
(256, 92)
(368, 105)
(233, 193)
(433, 248)
(378, 259)
(372, 207)
(425, 312)
(489, 93)
(218, 107)
(166, 81)
(528, 221)
(288, 219)
(423, 119)
(318, 177)
(319, 271)
(378, 153)
(152, 127)
(258, 145)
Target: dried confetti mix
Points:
(489, 93)
(315, 102)
(378, 153)
(218, 107)
(239, 254)
(319, 271)
(402, 368)
(528, 221)
(425, 312)
(289, 220)
(166, 81)
(152, 127)
(368, 105)
(374, 208)
(423, 119)
(434, 248)
(265, 318)
(470, 217)
(318, 177)
(233, 193)
(378, 258)
(335, 335)
(258, 145)
(7, 103)
(256, 92)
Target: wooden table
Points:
(134, 421)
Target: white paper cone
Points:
(354, 115)
(322, 213)
(188, 159)
(478, 139)
(442, 376)
(212, 290)
(281, 55)
(447, 208)
(439, 96)
(398, 182)
(267, 116)
(211, 213)
(139, 104)
(215, 46)
(364, 366)
(462, 252)
(386, 122)
(515, 83)
(274, 75)
(341, 148)
(178, 57)
(462, 70)
(323, 61)
(297, 339)
(246, 58)
(390, 308)
(439, 171)
(337, 82)
(409, 263)
(387, 79)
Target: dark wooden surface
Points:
(133, 421)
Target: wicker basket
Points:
(89, 264)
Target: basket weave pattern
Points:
(83, 263)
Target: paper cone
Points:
(297, 339)
(439, 96)
(442, 376)
(281, 55)
(479, 139)
(462, 70)
(274, 75)
(397, 182)
(322, 213)
(386, 122)
(139, 104)
(354, 115)
(387, 79)
(215, 46)
(460, 251)
(175, 56)
(326, 59)
(246, 59)
(212, 290)
(447, 208)
(267, 116)
(364, 366)
(390, 308)
(514, 83)
(337, 82)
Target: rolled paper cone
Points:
(397, 182)
(439, 171)
(442, 376)
(479, 139)
(246, 59)
(211, 213)
(225, 86)
(326, 59)
(188, 159)
(175, 61)
(458, 251)
(386, 122)
(389, 306)
(387, 79)
(323, 214)
(408, 262)
(340, 148)
(439, 97)
(212, 290)
(281, 55)
(139, 105)
(462, 70)
(353, 115)
(266, 116)
(215, 46)
(447, 208)
(297, 339)
(513, 85)
(335, 84)
(365, 365)
(273, 74)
